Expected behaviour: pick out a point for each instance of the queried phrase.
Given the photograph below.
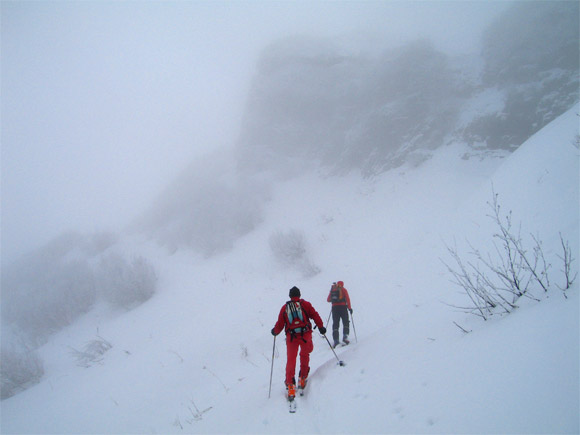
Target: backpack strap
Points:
(293, 313)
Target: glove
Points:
(350, 309)
(322, 330)
(273, 332)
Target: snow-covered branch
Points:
(495, 281)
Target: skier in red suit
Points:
(294, 318)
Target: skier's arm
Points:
(347, 298)
(313, 314)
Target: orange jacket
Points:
(344, 299)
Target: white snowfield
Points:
(196, 357)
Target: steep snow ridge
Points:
(196, 357)
(553, 151)
(539, 184)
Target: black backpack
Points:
(335, 294)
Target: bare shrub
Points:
(46, 293)
(92, 352)
(494, 282)
(125, 284)
(289, 248)
(567, 260)
(21, 368)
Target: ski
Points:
(291, 397)
(292, 400)
(339, 345)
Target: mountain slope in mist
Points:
(318, 102)
(195, 358)
(323, 105)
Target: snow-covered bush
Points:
(92, 352)
(46, 293)
(53, 286)
(517, 267)
(289, 248)
(567, 260)
(21, 367)
(125, 284)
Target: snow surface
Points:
(196, 357)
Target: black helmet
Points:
(294, 292)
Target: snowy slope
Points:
(196, 357)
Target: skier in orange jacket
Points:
(340, 300)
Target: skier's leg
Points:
(305, 350)
(292, 352)
(345, 322)
(335, 323)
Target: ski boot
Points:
(291, 392)
(301, 386)
(302, 381)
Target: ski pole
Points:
(272, 369)
(353, 327)
(328, 320)
(340, 363)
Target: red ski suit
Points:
(298, 341)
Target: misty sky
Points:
(103, 103)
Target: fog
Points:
(105, 103)
(139, 137)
